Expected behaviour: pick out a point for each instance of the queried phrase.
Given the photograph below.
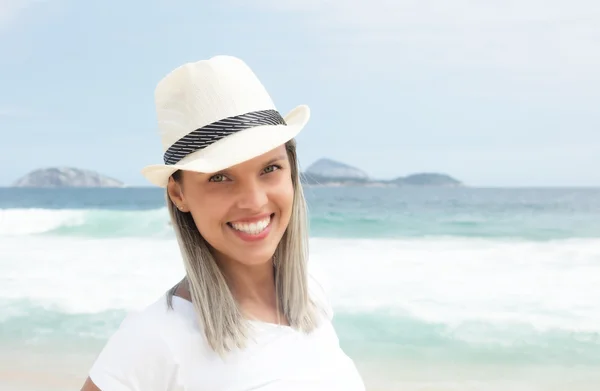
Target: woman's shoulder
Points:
(138, 355)
(157, 318)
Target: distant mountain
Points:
(54, 177)
(427, 179)
(327, 172)
(330, 171)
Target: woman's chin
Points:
(254, 254)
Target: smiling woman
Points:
(244, 210)
(248, 313)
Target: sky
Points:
(494, 93)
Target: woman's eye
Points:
(217, 178)
(271, 168)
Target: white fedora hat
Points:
(214, 114)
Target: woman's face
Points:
(242, 212)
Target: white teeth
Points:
(252, 228)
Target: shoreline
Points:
(52, 369)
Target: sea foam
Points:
(469, 298)
(546, 285)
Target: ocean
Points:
(433, 288)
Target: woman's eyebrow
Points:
(276, 159)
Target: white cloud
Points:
(10, 10)
(541, 37)
(402, 14)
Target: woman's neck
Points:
(255, 283)
(253, 287)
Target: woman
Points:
(248, 315)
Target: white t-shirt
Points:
(162, 349)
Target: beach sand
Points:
(37, 370)
(411, 376)
(43, 370)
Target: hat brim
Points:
(233, 149)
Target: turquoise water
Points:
(536, 214)
(448, 275)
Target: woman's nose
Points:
(252, 195)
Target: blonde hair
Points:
(224, 326)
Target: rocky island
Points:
(55, 177)
(327, 172)
(323, 172)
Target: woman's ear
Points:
(175, 192)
